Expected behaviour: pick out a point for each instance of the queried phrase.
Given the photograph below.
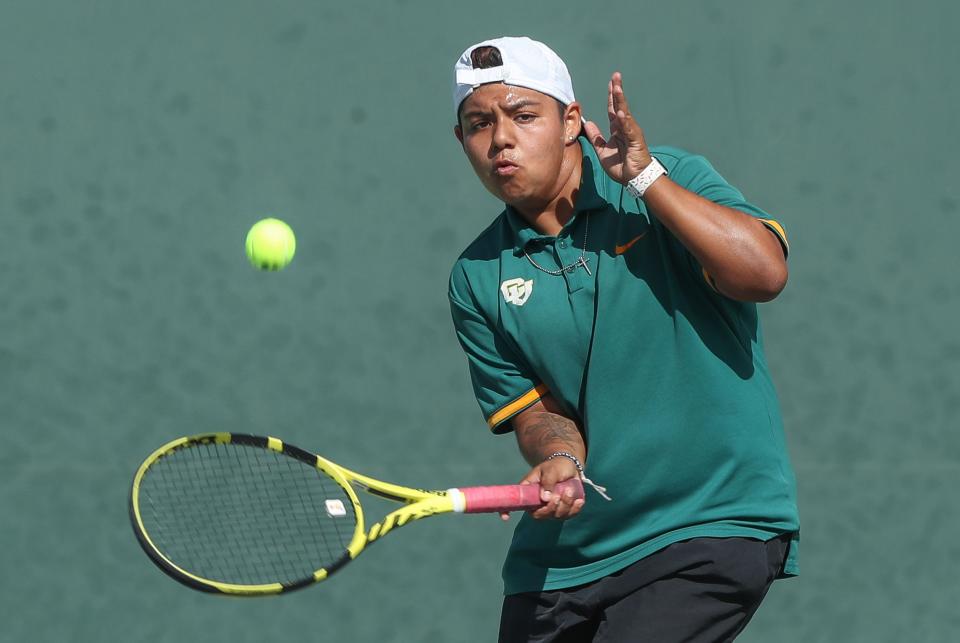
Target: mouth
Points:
(505, 168)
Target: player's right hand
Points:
(547, 474)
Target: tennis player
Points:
(609, 319)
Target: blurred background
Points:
(140, 140)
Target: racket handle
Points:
(516, 497)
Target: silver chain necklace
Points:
(582, 261)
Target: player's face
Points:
(515, 139)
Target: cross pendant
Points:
(583, 262)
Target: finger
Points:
(616, 89)
(620, 100)
(565, 512)
(576, 507)
(547, 481)
(625, 125)
(611, 112)
(546, 493)
(549, 507)
(628, 124)
(564, 505)
(594, 135)
(543, 512)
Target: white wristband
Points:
(639, 184)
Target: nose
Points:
(503, 134)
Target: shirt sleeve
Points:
(696, 174)
(502, 382)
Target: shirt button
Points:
(563, 243)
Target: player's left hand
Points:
(624, 155)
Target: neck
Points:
(549, 218)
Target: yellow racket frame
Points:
(419, 503)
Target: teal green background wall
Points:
(140, 140)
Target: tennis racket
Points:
(247, 515)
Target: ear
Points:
(572, 122)
(458, 132)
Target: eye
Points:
(526, 118)
(478, 125)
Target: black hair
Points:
(486, 57)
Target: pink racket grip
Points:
(516, 497)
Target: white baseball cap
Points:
(526, 63)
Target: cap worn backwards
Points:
(526, 63)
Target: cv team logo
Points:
(516, 291)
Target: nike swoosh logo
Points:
(621, 249)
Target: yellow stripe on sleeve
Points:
(521, 402)
(780, 232)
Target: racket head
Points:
(244, 515)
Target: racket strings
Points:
(244, 515)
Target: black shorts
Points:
(702, 590)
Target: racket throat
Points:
(458, 499)
(401, 517)
(384, 494)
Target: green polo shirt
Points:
(666, 376)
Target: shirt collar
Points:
(592, 195)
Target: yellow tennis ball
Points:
(270, 244)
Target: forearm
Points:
(742, 256)
(542, 433)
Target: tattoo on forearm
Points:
(548, 432)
